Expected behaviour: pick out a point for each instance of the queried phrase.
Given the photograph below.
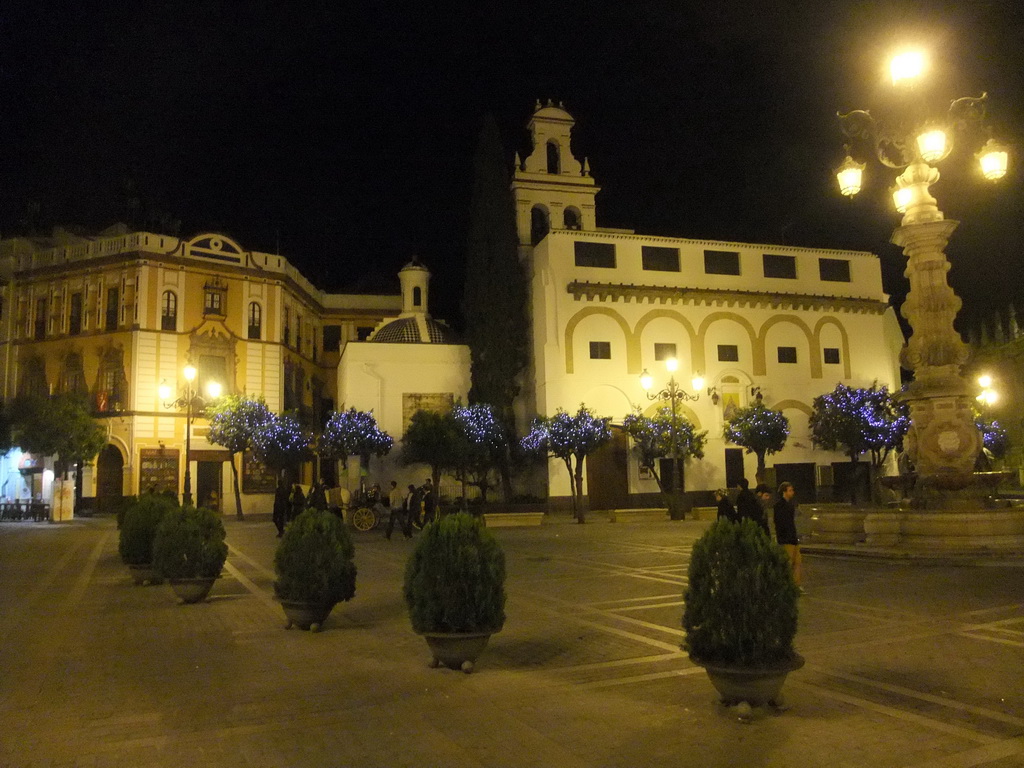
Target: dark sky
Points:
(341, 133)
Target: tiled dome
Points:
(405, 330)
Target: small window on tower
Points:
(600, 350)
(417, 296)
(554, 165)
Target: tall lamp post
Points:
(189, 400)
(943, 441)
(675, 394)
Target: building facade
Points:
(767, 322)
(118, 316)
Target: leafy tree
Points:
(484, 445)
(281, 444)
(433, 439)
(61, 426)
(760, 430)
(994, 438)
(234, 421)
(494, 299)
(653, 439)
(571, 439)
(352, 433)
(859, 420)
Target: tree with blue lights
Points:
(352, 433)
(994, 438)
(283, 445)
(570, 438)
(234, 421)
(484, 445)
(653, 439)
(859, 420)
(760, 430)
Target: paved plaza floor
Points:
(908, 664)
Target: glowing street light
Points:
(189, 400)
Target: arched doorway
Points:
(109, 479)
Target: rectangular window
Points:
(595, 255)
(664, 351)
(364, 332)
(832, 355)
(834, 270)
(600, 350)
(40, 324)
(787, 354)
(75, 314)
(656, 259)
(332, 338)
(728, 353)
(777, 265)
(113, 302)
(721, 263)
(214, 304)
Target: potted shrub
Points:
(455, 589)
(741, 613)
(315, 568)
(138, 528)
(189, 551)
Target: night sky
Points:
(341, 133)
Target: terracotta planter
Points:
(755, 685)
(309, 616)
(456, 650)
(192, 590)
(144, 574)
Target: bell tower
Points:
(552, 189)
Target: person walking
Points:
(413, 507)
(785, 530)
(429, 501)
(397, 503)
(726, 510)
(280, 507)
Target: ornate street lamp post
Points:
(189, 400)
(674, 393)
(943, 441)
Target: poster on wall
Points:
(256, 477)
(158, 471)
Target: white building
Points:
(783, 323)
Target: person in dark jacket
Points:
(763, 495)
(725, 508)
(785, 529)
(318, 496)
(297, 503)
(280, 507)
(748, 507)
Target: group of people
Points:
(412, 506)
(290, 503)
(753, 505)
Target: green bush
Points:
(189, 544)
(455, 578)
(314, 561)
(741, 601)
(138, 527)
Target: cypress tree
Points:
(494, 300)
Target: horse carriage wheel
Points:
(364, 519)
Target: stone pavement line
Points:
(610, 603)
(639, 678)
(976, 632)
(982, 755)
(259, 594)
(899, 714)
(990, 714)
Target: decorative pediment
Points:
(216, 247)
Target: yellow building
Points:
(119, 316)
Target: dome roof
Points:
(406, 330)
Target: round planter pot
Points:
(456, 650)
(309, 616)
(192, 590)
(144, 574)
(755, 685)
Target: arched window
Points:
(255, 320)
(538, 224)
(554, 161)
(417, 296)
(571, 218)
(169, 312)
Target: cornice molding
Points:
(659, 294)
